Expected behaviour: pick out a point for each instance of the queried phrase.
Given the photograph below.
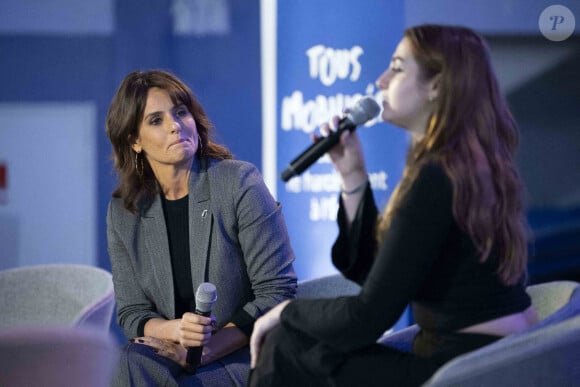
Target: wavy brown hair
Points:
(473, 135)
(138, 188)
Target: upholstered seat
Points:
(56, 294)
(326, 287)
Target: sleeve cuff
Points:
(141, 326)
(244, 322)
(353, 251)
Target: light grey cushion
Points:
(329, 286)
(548, 297)
(56, 294)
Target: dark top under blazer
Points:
(425, 260)
(238, 241)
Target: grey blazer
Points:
(238, 241)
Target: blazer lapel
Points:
(200, 222)
(154, 233)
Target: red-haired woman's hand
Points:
(347, 156)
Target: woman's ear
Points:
(135, 144)
(433, 89)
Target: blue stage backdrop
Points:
(328, 55)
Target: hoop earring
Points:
(139, 172)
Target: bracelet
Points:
(356, 189)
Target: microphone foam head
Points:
(365, 109)
(205, 297)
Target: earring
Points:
(139, 172)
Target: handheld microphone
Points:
(364, 110)
(205, 297)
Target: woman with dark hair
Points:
(185, 213)
(451, 241)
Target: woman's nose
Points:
(175, 125)
(382, 81)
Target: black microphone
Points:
(205, 297)
(364, 110)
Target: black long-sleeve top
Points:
(425, 259)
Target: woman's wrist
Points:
(162, 329)
(354, 185)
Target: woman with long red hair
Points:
(452, 240)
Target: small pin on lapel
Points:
(204, 213)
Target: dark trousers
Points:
(290, 358)
(140, 366)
